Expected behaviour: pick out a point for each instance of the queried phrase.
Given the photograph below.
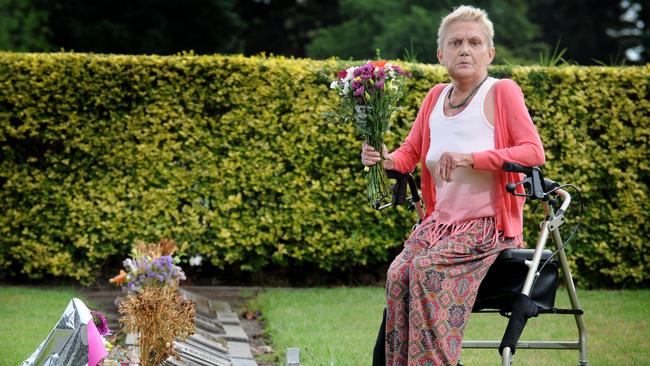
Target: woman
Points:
(463, 134)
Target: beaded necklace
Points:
(462, 103)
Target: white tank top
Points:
(471, 193)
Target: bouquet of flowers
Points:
(369, 95)
(154, 308)
(150, 265)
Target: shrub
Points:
(230, 155)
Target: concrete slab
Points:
(219, 306)
(240, 350)
(228, 318)
(235, 333)
(243, 362)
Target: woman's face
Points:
(465, 50)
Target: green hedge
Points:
(230, 155)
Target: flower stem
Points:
(378, 185)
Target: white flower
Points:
(361, 111)
(334, 84)
(196, 260)
(349, 73)
(129, 265)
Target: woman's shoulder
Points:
(506, 92)
(435, 91)
(437, 88)
(506, 86)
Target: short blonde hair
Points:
(470, 13)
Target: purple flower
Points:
(359, 91)
(364, 72)
(159, 271)
(368, 71)
(100, 322)
(380, 84)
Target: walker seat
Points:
(505, 280)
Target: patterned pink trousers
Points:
(431, 287)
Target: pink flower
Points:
(343, 74)
(100, 322)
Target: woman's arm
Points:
(408, 155)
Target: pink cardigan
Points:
(515, 140)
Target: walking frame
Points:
(504, 288)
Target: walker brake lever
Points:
(534, 178)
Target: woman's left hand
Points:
(451, 160)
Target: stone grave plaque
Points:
(228, 318)
(209, 326)
(243, 362)
(220, 306)
(218, 338)
(235, 333)
(172, 361)
(220, 345)
(198, 357)
(208, 313)
(206, 348)
(212, 319)
(202, 302)
(293, 356)
(240, 350)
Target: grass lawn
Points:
(27, 315)
(339, 326)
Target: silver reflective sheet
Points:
(67, 343)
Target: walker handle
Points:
(516, 168)
(534, 179)
(402, 182)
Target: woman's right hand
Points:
(370, 156)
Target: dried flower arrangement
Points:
(159, 314)
(154, 308)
